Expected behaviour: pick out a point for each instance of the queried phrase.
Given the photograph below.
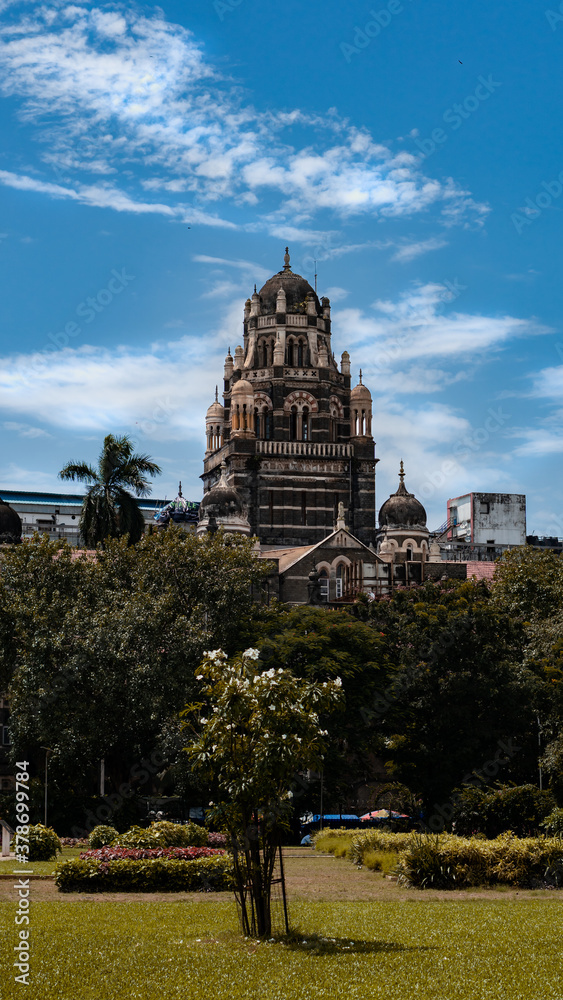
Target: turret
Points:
(242, 409)
(360, 410)
(214, 425)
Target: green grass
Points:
(470, 950)
(43, 867)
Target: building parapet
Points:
(306, 448)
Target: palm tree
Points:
(109, 509)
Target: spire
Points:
(361, 377)
(180, 488)
(286, 259)
(255, 292)
(216, 393)
(402, 472)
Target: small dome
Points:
(10, 524)
(215, 410)
(222, 500)
(360, 391)
(295, 287)
(242, 388)
(402, 509)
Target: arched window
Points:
(340, 580)
(257, 423)
(409, 553)
(324, 584)
(293, 424)
(289, 353)
(267, 423)
(300, 354)
(305, 428)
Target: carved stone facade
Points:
(295, 438)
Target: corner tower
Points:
(295, 438)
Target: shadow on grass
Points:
(316, 944)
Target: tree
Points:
(109, 509)
(254, 730)
(98, 652)
(528, 583)
(319, 644)
(458, 687)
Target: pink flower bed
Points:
(140, 853)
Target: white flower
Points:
(252, 654)
(338, 683)
(199, 677)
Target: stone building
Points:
(292, 438)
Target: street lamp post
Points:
(47, 752)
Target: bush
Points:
(380, 861)
(213, 874)
(43, 843)
(377, 840)
(553, 824)
(492, 811)
(101, 836)
(163, 834)
(445, 861)
(112, 853)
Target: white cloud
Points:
(119, 91)
(25, 430)
(409, 251)
(413, 327)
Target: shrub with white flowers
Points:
(254, 731)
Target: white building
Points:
(58, 514)
(487, 519)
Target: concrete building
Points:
(58, 514)
(497, 519)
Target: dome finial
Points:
(216, 393)
(402, 472)
(361, 383)
(255, 292)
(286, 259)
(180, 488)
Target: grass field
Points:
(361, 936)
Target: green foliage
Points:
(101, 836)
(109, 510)
(153, 875)
(553, 824)
(447, 862)
(98, 654)
(493, 811)
(163, 834)
(320, 644)
(377, 840)
(44, 845)
(458, 687)
(528, 583)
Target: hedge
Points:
(448, 862)
(213, 874)
(163, 834)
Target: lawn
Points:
(361, 937)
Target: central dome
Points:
(402, 509)
(295, 287)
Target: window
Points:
(484, 508)
(323, 583)
(271, 504)
(6, 741)
(305, 426)
(257, 423)
(300, 354)
(409, 553)
(267, 421)
(293, 424)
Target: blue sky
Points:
(156, 160)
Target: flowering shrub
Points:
(217, 839)
(162, 834)
(74, 841)
(209, 874)
(111, 853)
